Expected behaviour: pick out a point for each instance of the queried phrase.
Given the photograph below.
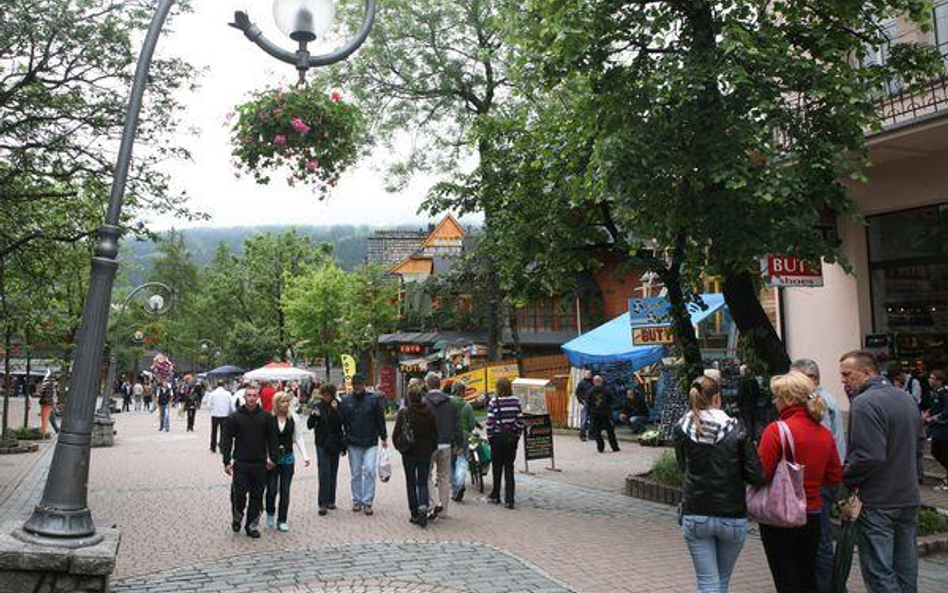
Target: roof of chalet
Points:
(448, 228)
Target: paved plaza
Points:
(572, 531)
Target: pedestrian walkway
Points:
(571, 531)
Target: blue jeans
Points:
(459, 475)
(714, 543)
(583, 420)
(165, 418)
(362, 468)
(888, 554)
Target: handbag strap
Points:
(786, 438)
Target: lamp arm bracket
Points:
(253, 33)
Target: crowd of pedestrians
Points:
(787, 476)
(804, 462)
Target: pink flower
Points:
(311, 165)
(279, 140)
(336, 97)
(263, 116)
(299, 125)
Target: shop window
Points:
(908, 264)
(909, 235)
(940, 29)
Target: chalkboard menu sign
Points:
(537, 436)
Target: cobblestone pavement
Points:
(571, 531)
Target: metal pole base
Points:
(39, 540)
(59, 528)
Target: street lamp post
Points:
(210, 350)
(62, 518)
(157, 304)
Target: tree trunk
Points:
(515, 336)
(27, 390)
(7, 383)
(685, 337)
(742, 297)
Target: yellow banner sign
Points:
(348, 370)
(478, 383)
(651, 335)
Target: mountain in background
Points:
(349, 244)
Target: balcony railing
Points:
(907, 105)
(900, 104)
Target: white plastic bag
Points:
(385, 464)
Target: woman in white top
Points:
(288, 430)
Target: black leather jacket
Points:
(715, 475)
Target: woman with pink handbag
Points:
(716, 458)
(799, 457)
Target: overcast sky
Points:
(234, 67)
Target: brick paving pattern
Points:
(571, 531)
(439, 567)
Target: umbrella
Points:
(843, 560)
(227, 369)
(278, 373)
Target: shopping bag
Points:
(385, 464)
(782, 502)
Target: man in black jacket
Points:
(249, 446)
(363, 421)
(599, 402)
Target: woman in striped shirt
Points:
(504, 425)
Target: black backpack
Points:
(406, 438)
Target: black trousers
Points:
(250, 479)
(216, 422)
(503, 450)
(791, 555)
(416, 481)
(940, 452)
(327, 461)
(598, 424)
(126, 403)
(191, 413)
(279, 480)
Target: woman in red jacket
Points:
(791, 551)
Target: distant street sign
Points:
(649, 312)
(790, 271)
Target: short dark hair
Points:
(941, 375)
(894, 369)
(358, 379)
(220, 382)
(865, 360)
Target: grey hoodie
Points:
(446, 413)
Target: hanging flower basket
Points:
(162, 368)
(311, 135)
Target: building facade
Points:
(896, 298)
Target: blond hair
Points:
(278, 398)
(700, 397)
(795, 388)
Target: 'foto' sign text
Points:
(788, 270)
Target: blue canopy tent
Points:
(612, 341)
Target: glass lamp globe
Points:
(303, 20)
(156, 303)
